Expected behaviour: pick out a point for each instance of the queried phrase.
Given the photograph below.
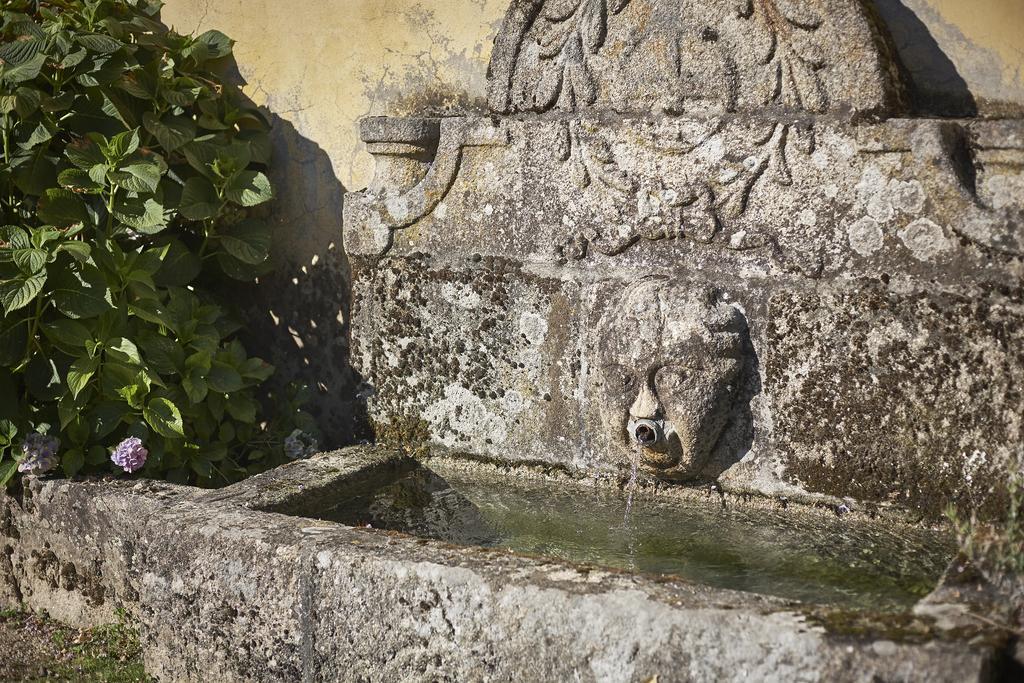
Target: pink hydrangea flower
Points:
(130, 455)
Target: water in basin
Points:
(812, 558)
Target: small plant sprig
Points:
(131, 185)
(996, 548)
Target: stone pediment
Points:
(684, 56)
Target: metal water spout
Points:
(646, 433)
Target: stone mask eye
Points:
(670, 378)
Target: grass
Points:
(36, 648)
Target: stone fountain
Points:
(708, 238)
(717, 216)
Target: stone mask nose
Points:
(646, 405)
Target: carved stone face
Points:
(670, 360)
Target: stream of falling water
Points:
(631, 486)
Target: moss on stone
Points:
(409, 435)
(899, 627)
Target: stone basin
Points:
(254, 582)
(819, 558)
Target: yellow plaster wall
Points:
(991, 25)
(322, 64)
(973, 49)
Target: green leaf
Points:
(8, 430)
(74, 58)
(8, 469)
(164, 417)
(249, 188)
(44, 379)
(195, 387)
(139, 83)
(43, 236)
(20, 292)
(30, 261)
(123, 144)
(78, 431)
(242, 408)
(70, 409)
(149, 8)
(146, 215)
(223, 378)
(62, 208)
(58, 103)
(13, 341)
(199, 362)
(199, 199)
(106, 416)
(248, 241)
(82, 370)
(26, 71)
(66, 332)
(171, 132)
(138, 177)
(218, 44)
(42, 132)
(35, 172)
(27, 100)
(162, 353)
(257, 369)
(97, 455)
(154, 312)
(96, 42)
(18, 52)
(81, 292)
(72, 461)
(85, 153)
(181, 92)
(135, 390)
(13, 237)
(80, 251)
(201, 156)
(180, 266)
(98, 174)
(239, 270)
(206, 338)
(80, 180)
(124, 350)
(259, 145)
(202, 466)
(210, 45)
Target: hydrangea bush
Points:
(131, 188)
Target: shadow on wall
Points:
(297, 316)
(935, 86)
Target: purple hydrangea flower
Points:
(39, 453)
(130, 455)
(300, 444)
